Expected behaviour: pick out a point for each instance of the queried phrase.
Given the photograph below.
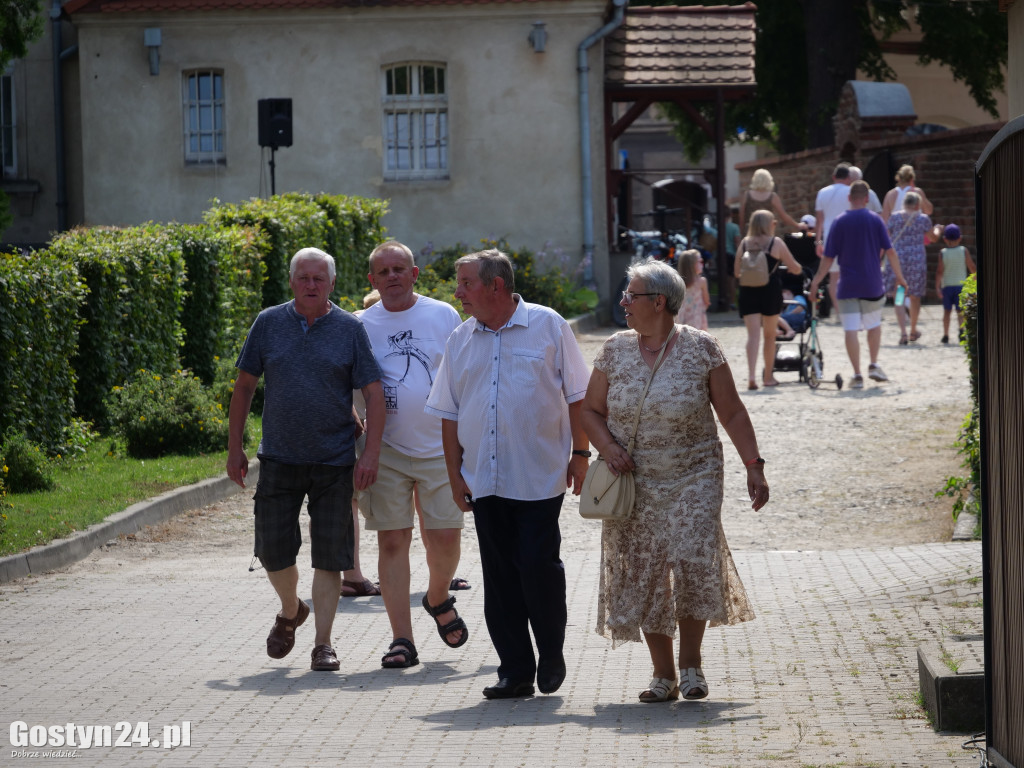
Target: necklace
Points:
(665, 344)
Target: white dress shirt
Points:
(509, 390)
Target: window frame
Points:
(193, 104)
(418, 149)
(8, 126)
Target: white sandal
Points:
(694, 679)
(661, 689)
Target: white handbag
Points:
(605, 495)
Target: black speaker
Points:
(275, 122)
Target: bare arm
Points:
(594, 415)
(888, 202)
(577, 464)
(238, 412)
(823, 267)
(736, 421)
(788, 220)
(926, 204)
(894, 262)
(461, 493)
(365, 473)
(781, 252)
(971, 266)
(819, 229)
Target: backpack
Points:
(754, 267)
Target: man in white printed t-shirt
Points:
(830, 202)
(509, 394)
(408, 332)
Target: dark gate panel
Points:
(1000, 223)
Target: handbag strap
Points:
(640, 405)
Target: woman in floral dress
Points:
(668, 566)
(909, 229)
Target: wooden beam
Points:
(619, 126)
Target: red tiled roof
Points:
(163, 6)
(692, 46)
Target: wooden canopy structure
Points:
(686, 55)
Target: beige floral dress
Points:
(670, 560)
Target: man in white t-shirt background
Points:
(408, 332)
(830, 202)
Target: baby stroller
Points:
(802, 353)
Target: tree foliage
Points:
(797, 95)
(21, 22)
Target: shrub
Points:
(157, 415)
(537, 284)
(40, 297)
(354, 229)
(25, 465)
(289, 223)
(131, 315)
(224, 291)
(964, 490)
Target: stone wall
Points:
(943, 162)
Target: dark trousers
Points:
(524, 580)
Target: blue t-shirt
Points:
(856, 240)
(309, 377)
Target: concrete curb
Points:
(62, 552)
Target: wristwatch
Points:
(584, 454)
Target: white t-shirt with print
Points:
(409, 346)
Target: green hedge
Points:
(131, 316)
(289, 224)
(224, 283)
(354, 229)
(40, 298)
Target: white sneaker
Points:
(876, 373)
(857, 382)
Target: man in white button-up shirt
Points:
(509, 393)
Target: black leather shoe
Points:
(506, 689)
(550, 675)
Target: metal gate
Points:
(999, 195)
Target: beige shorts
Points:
(387, 505)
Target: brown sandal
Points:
(281, 639)
(364, 588)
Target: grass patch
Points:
(91, 487)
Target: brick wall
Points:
(943, 163)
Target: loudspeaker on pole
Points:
(275, 122)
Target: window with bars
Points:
(8, 150)
(203, 112)
(415, 122)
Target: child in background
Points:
(953, 268)
(694, 311)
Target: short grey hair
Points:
(392, 245)
(493, 263)
(312, 254)
(661, 279)
(911, 200)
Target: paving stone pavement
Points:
(825, 676)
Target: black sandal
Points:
(452, 626)
(406, 650)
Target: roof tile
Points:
(691, 45)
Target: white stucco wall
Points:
(514, 167)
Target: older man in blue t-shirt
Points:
(312, 354)
(858, 239)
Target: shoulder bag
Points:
(605, 495)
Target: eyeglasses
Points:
(628, 297)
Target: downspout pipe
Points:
(58, 114)
(583, 68)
